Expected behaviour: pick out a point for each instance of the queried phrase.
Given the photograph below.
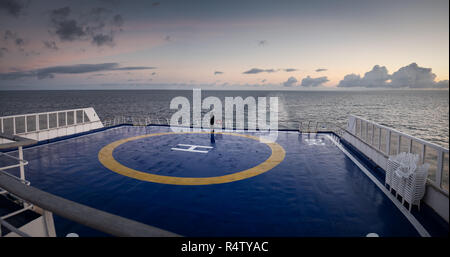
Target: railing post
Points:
(388, 142)
(26, 127)
(3, 131)
(360, 128)
(440, 158)
(48, 120)
(423, 153)
(373, 134)
(37, 123)
(57, 120)
(398, 143)
(367, 132)
(22, 169)
(14, 125)
(49, 223)
(379, 139)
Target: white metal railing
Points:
(150, 120)
(389, 141)
(36, 122)
(25, 206)
(319, 126)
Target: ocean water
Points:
(424, 114)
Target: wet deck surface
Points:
(314, 190)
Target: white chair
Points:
(406, 178)
(414, 187)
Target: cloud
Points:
(102, 39)
(167, 38)
(218, 72)
(156, 4)
(262, 42)
(3, 50)
(313, 82)
(136, 68)
(12, 7)
(411, 76)
(118, 20)
(97, 25)
(256, 70)
(50, 72)
(350, 80)
(321, 69)
(66, 29)
(290, 82)
(50, 45)
(15, 39)
(153, 73)
(377, 77)
(290, 70)
(442, 84)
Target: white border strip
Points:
(422, 231)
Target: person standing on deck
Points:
(211, 123)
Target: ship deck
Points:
(221, 184)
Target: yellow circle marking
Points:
(106, 158)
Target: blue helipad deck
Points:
(304, 185)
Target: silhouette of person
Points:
(211, 123)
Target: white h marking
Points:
(192, 148)
(314, 141)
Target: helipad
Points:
(221, 184)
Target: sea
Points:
(420, 113)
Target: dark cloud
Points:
(96, 12)
(12, 7)
(3, 50)
(290, 70)
(156, 4)
(153, 73)
(9, 35)
(411, 76)
(136, 68)
(18, 41)
(69, 30)
(118, 20)
(290, 82)
(102, 39)
(256, 70)
(313, 82)
(50, 72)
(262, 42)
(218, 72)
(97, 25)
(50, 45)
(167, 38)
(320, 70)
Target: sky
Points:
(295, 45)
